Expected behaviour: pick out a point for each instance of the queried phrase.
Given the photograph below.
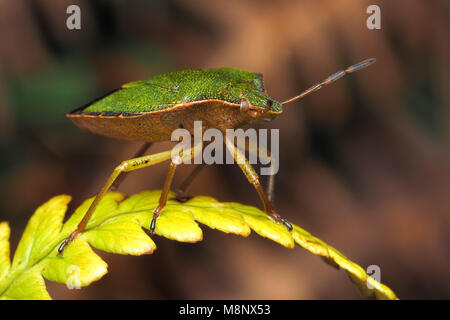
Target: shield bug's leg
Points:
(253, 178)
(163, 196)
(259, 151)
(125, 166)
(331, 79)
(184, 187)
(270, 188)
(122, 177)
(176, 160)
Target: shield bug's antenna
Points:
(332, 78)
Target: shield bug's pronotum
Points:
(150, 110)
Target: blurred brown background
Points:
(364, 162)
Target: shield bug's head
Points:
(248, 91)
(267, 107)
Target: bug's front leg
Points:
(255, 149)
(253, 178)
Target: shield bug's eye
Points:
(244, 103)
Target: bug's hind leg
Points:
(125, 166)
(253, 178)
(121, 177)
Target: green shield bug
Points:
(150, 110)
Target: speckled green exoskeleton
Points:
(150, 110)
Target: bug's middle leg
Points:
(184, 187)
(253, 178)
(163, 196)
(181, 191)
(176, 160)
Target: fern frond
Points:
(116, 227)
